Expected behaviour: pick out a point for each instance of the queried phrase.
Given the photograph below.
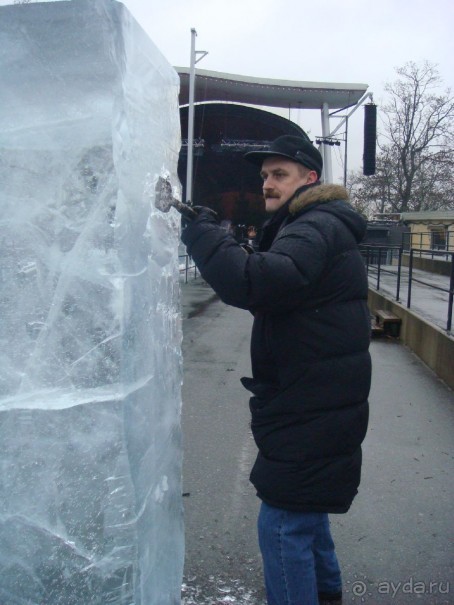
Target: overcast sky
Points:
(359, 41)
(324, 40)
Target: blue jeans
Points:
(298, 556)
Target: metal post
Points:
(451, 294)
(378, 268)
(193, 62)
(399, 268)
(191, 119)
(345, 152)
(327, 166)
(410, 275)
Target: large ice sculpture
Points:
(90, 364)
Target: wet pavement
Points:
(395, 543)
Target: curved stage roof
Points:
(217, 86)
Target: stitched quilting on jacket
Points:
(311, 368)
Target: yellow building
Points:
(432, 230)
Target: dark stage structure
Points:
(223, 179)
(227, 124)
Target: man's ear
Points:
(312, 177)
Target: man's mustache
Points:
(270, 194)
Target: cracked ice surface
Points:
(90, 335)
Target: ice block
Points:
(90, 332)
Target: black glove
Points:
(204, 214)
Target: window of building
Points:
(438, 238)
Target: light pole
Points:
(193, 62)
(327, 166)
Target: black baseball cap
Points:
(299, 149)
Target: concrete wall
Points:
(431, 344)
(433, 265)
(420, 236)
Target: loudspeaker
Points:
(370, 138)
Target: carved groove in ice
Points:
(90, 335)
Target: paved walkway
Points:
(395, 544)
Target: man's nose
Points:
(267, 183)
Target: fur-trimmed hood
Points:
(317, 194)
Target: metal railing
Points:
(187, 267)
(379, 258)
(376, 257)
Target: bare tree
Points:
(416, 146)
(375, 194)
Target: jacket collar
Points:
(303, 197)
(316, 193)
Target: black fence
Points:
(379, 258)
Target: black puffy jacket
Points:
(307, 289)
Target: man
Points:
(307, 288)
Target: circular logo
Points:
(359, 589)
